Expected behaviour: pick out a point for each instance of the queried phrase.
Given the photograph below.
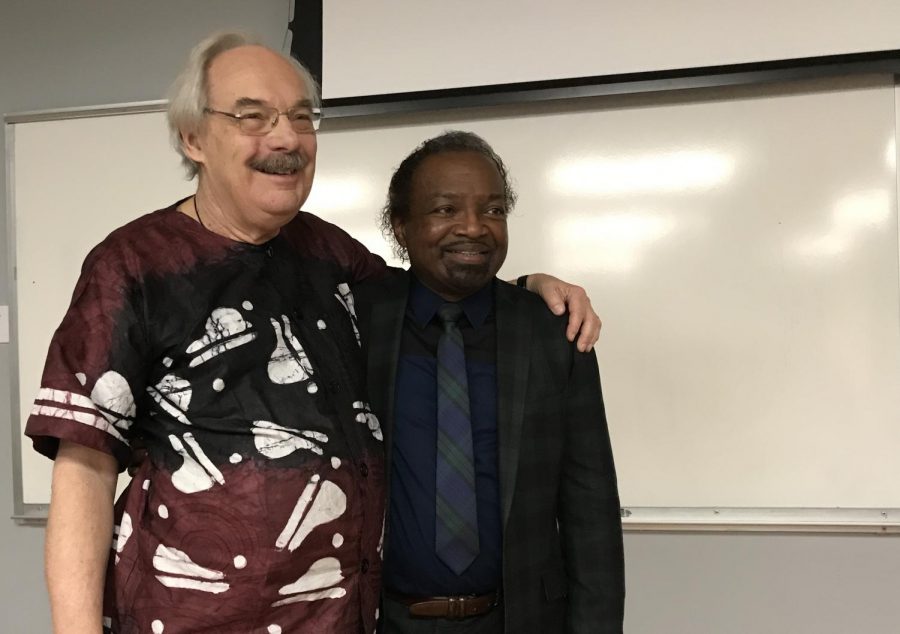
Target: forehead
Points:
(254, 72)
(457, 172)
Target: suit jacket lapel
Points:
(513, 354)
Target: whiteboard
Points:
(740, 244)
(393, 46)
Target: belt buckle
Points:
(457, 607)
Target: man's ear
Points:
(190, 144)
(399, 231)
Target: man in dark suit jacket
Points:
(537, 544)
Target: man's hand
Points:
(561, 296)
(139, 456)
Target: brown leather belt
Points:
(459, 607)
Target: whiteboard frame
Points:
(879, 521)
(634, 519)
(778, 71)
(21, 511)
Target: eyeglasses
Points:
(259, 120)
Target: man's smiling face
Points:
(267, 177)
(455, 232)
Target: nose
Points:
(282, 136)
(471, 223)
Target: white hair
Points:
(188, 95)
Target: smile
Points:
(468, 248)
(277, 172)
(468, 255)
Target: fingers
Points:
(590, 332)
(573, 327)
(584, 323)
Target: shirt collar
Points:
(424, 303)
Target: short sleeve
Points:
(96, 364)
(318, 238)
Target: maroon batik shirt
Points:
(238, 368)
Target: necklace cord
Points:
(197, 211)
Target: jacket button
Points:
(365, 566)
(364, 469)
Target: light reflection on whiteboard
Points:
(852, 214)
(612, 242)
(657, 172)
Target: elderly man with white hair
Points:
(220, 334)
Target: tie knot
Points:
(449, 314)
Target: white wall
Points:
(55, 55)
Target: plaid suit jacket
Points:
(563, 567)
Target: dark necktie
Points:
(456, 526)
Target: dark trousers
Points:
(396, 620)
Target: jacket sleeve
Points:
(590, 517)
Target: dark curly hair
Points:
(397, 204)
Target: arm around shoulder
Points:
(79, 535)
(584, 322)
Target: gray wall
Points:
(90, 52)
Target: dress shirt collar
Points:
(424, 303)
